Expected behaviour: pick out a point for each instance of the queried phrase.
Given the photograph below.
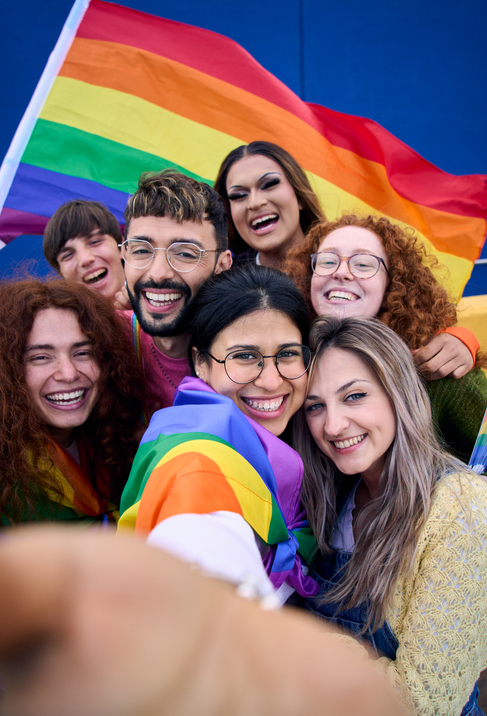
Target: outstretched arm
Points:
(447, 355)
(109, 626)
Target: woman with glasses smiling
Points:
(212, 482)
(369, 267)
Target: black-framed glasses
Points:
(182, 256)
(325, 263)
(245, 365)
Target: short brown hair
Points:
(77, 218)
(181, 198)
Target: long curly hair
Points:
(309, 214)
(25, 467)
(415, 305)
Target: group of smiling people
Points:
(312, 468)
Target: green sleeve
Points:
(458, 407)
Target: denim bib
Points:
(327, 570)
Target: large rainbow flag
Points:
(126, 92)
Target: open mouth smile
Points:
(264, 223)
(349, 442)
(336, 295)
(96, 276)
(161, 300)
(265, 405)
(67, 399)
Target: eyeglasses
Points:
(182, 257)
(245, 366)
(359, 265)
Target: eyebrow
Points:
(241, 346)
(91, 235)
(342, 388)
(354, 251)
(49, 347)
(180, 240)
(238, 186)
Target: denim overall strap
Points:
(327, 570)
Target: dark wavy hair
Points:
(26, 469)
(415, 306)
(309, 214)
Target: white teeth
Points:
(66, 398)
(341, 295)
(159, 299)
(264, 405)
(340, 444)
(269, 217)
(96, 274)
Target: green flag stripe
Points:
(71, 151)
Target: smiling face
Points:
(270, 400)
(159, 295)
(61, 374)
(341, 294)
(265, 209)
(93, 260)
(349, 414)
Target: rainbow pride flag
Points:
(478, 460)
(203, 455)
(126, 92)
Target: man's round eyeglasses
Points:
(245, 366)
(182, 257)
(325, 263)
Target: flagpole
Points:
(31, 114)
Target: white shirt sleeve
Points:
(222, 544)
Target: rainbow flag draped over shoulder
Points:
(126, 92)
(204, 455)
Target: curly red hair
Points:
(114, 422)
(415, 305)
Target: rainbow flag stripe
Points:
(133, 92)
(203, 456)
(478, 460)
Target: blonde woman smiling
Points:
(401, 525)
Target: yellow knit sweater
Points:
(439, 612)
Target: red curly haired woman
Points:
(367, 266)
(70, 401)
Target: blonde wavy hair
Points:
(389, 526)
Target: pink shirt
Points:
(162, 373)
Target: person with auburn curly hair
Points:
(367, 266)
(70, 402)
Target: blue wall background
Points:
(418, 67)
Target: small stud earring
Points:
(197, 374)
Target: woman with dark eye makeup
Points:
(270, 201)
